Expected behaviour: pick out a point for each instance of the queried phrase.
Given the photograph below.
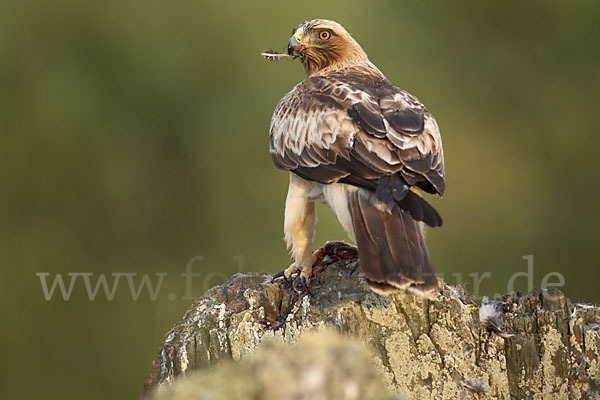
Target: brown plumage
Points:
(353, 140)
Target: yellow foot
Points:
(304, 267)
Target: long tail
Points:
(391, 248)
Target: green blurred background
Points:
(134, 137)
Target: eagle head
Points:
(324, 46)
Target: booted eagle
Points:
(353, 140)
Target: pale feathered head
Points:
(324, 45)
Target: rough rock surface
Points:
(322, 366)
(545, 347)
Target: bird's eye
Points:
(324, 35)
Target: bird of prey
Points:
(353, 140)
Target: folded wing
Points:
(362, 131)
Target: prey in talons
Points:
(298, 285)
(302, 280)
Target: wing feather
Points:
(343, 128)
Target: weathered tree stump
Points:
(540, 347)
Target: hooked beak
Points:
(294, 46)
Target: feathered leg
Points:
(299, 226)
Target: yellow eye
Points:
(324, 35)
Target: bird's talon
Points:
(300, 285)
(278, 276)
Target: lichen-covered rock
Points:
(423, 348)
(323, 365)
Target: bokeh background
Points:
(134, 137)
